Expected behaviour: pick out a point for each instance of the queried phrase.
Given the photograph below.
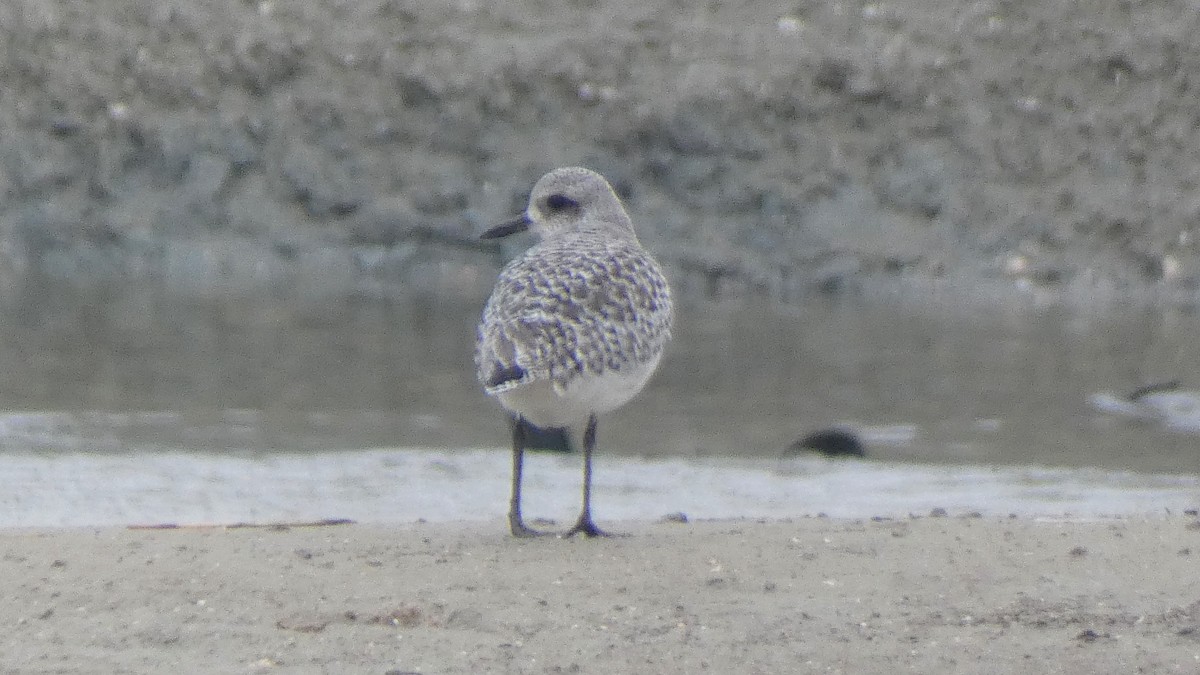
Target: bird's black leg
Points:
(520, 431)
(585, 525)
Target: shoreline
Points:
(448, 486)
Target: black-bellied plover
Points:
(575, 326)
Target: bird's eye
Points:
(557, 203)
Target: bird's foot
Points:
(587, 528)
(520, 529)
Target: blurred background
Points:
(961, 232)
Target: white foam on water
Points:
(408, 484)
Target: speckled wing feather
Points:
(581, 304)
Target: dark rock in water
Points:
(548, 440)
(829, 442)
(1155, 388)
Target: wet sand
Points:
(949, 594)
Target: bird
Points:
(575, 326)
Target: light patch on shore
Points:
(405, 485)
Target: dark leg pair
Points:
(584, 525)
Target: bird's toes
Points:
(587, 528)
(523, 531)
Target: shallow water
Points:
(142, 373)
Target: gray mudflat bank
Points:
(776, 148)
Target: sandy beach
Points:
(931, 594)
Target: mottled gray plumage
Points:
(586, 301)
(576, 325)
(578, 304)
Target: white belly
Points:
(546, 405)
